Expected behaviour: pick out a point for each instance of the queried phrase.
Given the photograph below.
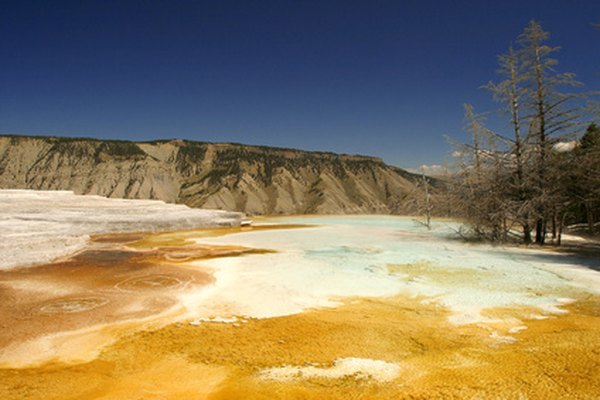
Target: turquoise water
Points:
(347, 256)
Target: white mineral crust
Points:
(40, 226)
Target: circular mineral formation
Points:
(149, 282)
(73, 305)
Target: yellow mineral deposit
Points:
(106, 324)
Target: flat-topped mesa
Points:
(284, 151)
(248, 178)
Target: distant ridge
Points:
(248, 178)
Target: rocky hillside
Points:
(252, 179)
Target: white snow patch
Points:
(565, 147)
(362, 368)
(575, 238)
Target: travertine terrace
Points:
(39, 226)
(301, 307)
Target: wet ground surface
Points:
(518, 352)
(553, 358)
(119, 279)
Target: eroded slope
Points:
(252, 179)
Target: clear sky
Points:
(376, 77)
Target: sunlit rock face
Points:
(250, 179)
(39, 226)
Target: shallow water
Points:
(360, 307)
(385, 256)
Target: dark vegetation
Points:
(269, 160)
(118, 149)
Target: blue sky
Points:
(383, 78)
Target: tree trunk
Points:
(526, 233)
(539, 228)
(589, 216)
(560, 229)
(544, 231)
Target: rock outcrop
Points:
(251, 179)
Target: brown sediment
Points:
(553, 358)
(183, 237)
(118, 279)
(93, 287)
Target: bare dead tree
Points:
(428, 208)
(550, 116)
(479, 189)
(520, 179)
(510, 92)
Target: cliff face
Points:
(252, 179)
